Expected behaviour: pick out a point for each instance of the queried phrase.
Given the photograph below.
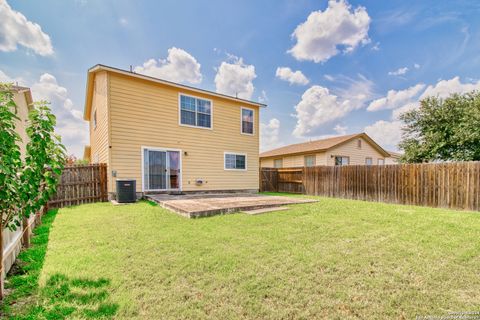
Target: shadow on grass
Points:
(61, 297)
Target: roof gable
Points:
(99, 67)
(319, 146)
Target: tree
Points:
(25, 187)
(443, 129)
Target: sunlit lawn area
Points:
(332, 259)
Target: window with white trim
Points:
(310, 161)
(368, 161)
(381, 162)
(195, 112)
(278, 163)
(235, 161)
(247, 121)
(342, 160)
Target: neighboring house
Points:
(168, 136)
(394, 158)
(12, 239)
(342, 150)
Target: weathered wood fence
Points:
(448, 185)
(81, 184)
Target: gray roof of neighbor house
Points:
(101, 67)
(320, 145)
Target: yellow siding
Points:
(99, 137)
(144, 113)
(357, 155)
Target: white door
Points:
(161, 169)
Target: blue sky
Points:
(359, 63)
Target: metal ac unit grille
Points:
(126, 191)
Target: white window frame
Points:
(278, 159)
(234, 153)
(241, 121)
(340, 156)
(309, 156)
(179, 163)
(380, 159)
(180, 94)
(371, 161)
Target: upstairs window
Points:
(195, 112)
(235, 161)
(247, 121)
(342, 161)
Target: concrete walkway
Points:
(203, 205)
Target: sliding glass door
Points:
(161, 170)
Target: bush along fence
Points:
(78, 184)
(81, 184)
(448, 185)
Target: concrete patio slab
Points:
(265, 210)
(204, 205)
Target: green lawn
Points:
(336, 259)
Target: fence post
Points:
(26, 233)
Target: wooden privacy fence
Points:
(448, 185)
(81, 184)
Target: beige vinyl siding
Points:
(294, 160)
(146, 114)
(99, 137)
(357, 155)
(267, 163)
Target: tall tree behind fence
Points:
(447, 185)
(81, 184)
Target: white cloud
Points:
(319, 37)
(340, 130)
(355, 92)
(6, 78)
(416, 66)
(70, 123)
(180, 66)
(269, 134)
(386, 133)
(16, 30)
(398, 72)
(123, 21)
(236, 78)
(263, 98)
(317, 107)
(444, 88)
(395, 99)
(293, 77)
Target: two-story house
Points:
(168, 136)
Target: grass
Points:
(61, 297)
(337, 259)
